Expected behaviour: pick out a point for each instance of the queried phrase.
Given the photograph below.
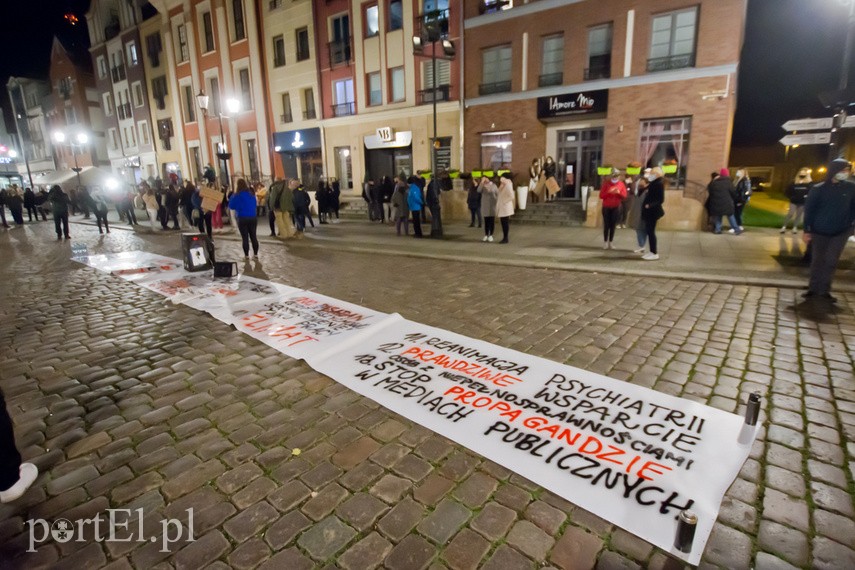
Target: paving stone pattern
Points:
(127, 401)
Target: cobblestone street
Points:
(127, 401)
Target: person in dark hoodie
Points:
(829, 218)
(797, 193)
(59, 202)
(30, 204)
(722, 202)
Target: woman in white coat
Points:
(505, 206)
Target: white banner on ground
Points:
(634, 456)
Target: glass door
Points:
(579, 153)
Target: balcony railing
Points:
(286, 118)
(118, 73)
(442, 94)
(549, 79)
(671, 62)
(598, 72)
(340, 52)
(344, 109)
(433, 25)
(311, 114)
(491, 88)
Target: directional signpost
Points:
(808, 124)
(806, 138)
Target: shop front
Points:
(575, 138)
(301, 156)
(388, 153)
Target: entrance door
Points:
(579, 153)
(311, 169)
(389, 162)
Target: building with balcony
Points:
(215, 44)
(291, 69)
(30, 127)
(378, 88)
(163, 101)
(603, 83)
(73, 107)
(116, 49)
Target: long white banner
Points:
(634, 456)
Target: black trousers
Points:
(825, 253)
(610, 220)
(3, 216)
(476, 214)
(489, 225)
(61, 220)
(204, 223)
(650, 226)
(170, 213)
(417, 223)
(130, 215)
(17, 215)
(10, 459)
(271, 217)
(32, 211)
(102, 217)
(506, 227)
(248, 228)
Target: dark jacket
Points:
(399, 201)
(335, 195)
(797, 193)
(171, 200)
(654, 198)
(29, 198)
(722, 197)
(324, 198)
(301, 201)
(742, 191)
(14, 201)
(473, 198)
(830, 208)
(432, 197)
(59, 202)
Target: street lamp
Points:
(233, 107)
(80, 140)
(432, 33)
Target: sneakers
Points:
(485, 238)
(650, 257)
(784, 230)
(639, 250)
(490, 239)
(606, 245)
(611, 245)
(27, 475)
(731, 231)
(795, 231)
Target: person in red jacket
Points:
(612, 195)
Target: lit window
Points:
(372, 21)
(375, 93)
(496, 150)
(396, 76)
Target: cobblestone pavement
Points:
(126, 401)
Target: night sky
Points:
(793, 50)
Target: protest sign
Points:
(634, 456)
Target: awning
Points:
(89, 176)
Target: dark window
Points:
(159, 91)
(189, 104)
(237, 9)
(309, 101)
(164, 132)
(599, 52)
(214, 92)
(208, 25)
(278, 51)
(153, 47)
(396, 15)
(245, 90)
(286, 108)
(252, 159)
(303, 44)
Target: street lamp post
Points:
(432, 28)
(233, 107)
(82, 139)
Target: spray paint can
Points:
(752, 410)
(687, 522)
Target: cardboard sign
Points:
(634, 456)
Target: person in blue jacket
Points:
(244, 204)
(415, 203)
(829, 217)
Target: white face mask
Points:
(650, 177)
(841, 176)
(615, 180)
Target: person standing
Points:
(433, 204)
(797, 194)
(15, 201)
(59, 203)
(15, 476)
(633, 217)
(30, 204)
(473, 201)
(151, 207)
(323, 197)
(186, 202)
(97, 204)
(3, 207)
(612, 195)
(335, 199)
(652, 209)
(273, 195)
(301, 208)
(203, 217)
(722, 202)
(245, 205)
(170, 202)
(285, 213)
(399, 207)
(489, 200)
(388, 190)
(415, 203)
(505, 205)
(829, 218)
(742, 192)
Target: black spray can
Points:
(752, 409)
(687, 522)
